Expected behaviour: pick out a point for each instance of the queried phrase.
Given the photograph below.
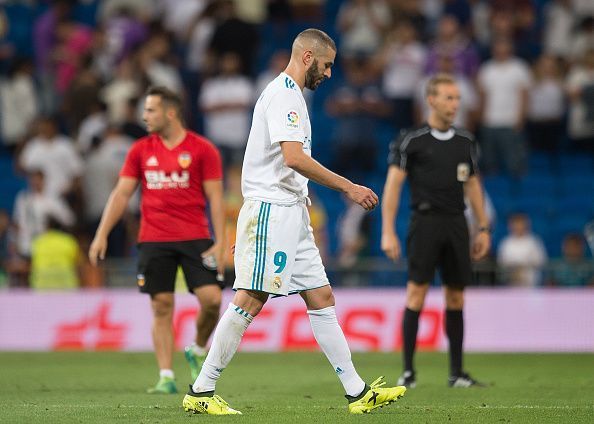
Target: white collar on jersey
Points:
(443, 135)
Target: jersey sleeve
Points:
(212, 168)
(286, 118)
(131, 167)
(398, 155)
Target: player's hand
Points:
(391, 246)
(97, 249)
(363, 196)
(481, 245)
(217, 250)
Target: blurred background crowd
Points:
(73, 74)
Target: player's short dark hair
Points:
(168, 97)
(437, 80)
(319, 37)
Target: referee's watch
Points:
(484, 230)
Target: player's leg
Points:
(201, 397)
(456, 274)
(310, 280)
(423, 246)
(202, 281)
(157, 267)
(415, 299)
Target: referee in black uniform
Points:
(440, 162)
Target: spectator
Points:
(18, 103)
(357, 105)
(101, 174)
(123, 87)
(31, 211)
(573, 269)
(546, 105)
(226, 101)
(362, 24)
(503, 82)
(56, 156)
(402, 61)
(4, 251)
(233, 35)
(92, 127)
(56, 259)
(74, 41)
(559, 20)
(580, 90)
(521, 254)
(453, 43)
(583, 40)
(158, 64)
(353, 228)
(277, 63)
(130, 125)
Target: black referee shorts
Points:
(158, 262)
(439, 241)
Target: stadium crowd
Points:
(73, 74)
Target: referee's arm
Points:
(390, 202)
(474, 193)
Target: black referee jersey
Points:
(437, 164)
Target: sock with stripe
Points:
(225, 342)
(331, 339)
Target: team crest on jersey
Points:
(184, 159)
(292, 119)
(152, 161)
(463, 172)
(277, 283)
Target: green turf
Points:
(294, 388)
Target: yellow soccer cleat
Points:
(207, 403)
(374, 396)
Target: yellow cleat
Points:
(212, 405)
(375, 396)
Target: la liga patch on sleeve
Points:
(292, 120)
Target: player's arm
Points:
(390, 203)
(213, 189)
(114, 209)
(297, 160)
(474, 192)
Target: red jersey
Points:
(173, 202)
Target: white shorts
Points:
(275, 250)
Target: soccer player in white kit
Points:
(275, 251)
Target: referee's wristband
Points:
(484, 230)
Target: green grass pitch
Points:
(109, 387)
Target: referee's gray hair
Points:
(317, 37)
(436, 80)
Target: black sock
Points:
(410, 326)
(454, 326)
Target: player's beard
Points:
(313, 77)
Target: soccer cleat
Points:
(464, 380)
(165, 386)
(195, 361)
(408, 379)
(374, 396)
(207, 403)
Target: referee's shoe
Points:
(464, 380)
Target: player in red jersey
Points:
(179, 171)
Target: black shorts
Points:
(439, 241)
(158, 262)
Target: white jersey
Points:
(280, 114)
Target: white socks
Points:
(198, 350)
(331, 339)
(166, 373)
(225, 342)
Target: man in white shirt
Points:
(275, 252)
(521, 254)
(504, 82)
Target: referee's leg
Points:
(454, 326)
(415, 299)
